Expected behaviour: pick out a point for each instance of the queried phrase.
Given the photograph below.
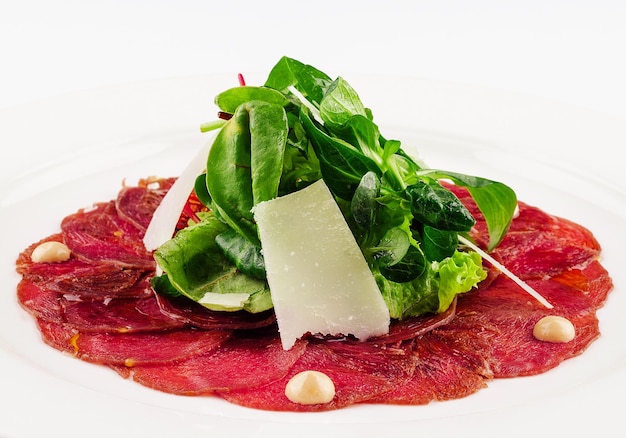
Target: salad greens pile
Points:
(301, 126)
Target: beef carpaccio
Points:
(99, 307)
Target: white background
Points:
(571, 51)
(566, 51)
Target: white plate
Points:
(65, 153)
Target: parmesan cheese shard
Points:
(166, 215)
(217, 301)
(319, 279)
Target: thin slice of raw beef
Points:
(240, 362)
(101, 235)
(131, 349)
(136, 204)
(120, 315)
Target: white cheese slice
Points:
(167, 214)
(217, 301)
(319, 279)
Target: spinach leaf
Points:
(392, 248)
(439, 244)
(496, 201)
(341, 164)
(162, 285)
(410, 267)
(201, 191)
(245, 255)
(437, 207)
(245, 162)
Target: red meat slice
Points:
(538, 244)
(505, 308)
(451, 363)
(131, 349)
(88, 280)
(359, 370)
(593, 281)
(85, 280)
(189, 312)
(413, 327)
(39, 301)
(121, 315)
(115, 316)
(101, 236)
(240, 362)
(57, 335)
(136, 204)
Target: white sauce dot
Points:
(554, 329)
(50, 252)
(309, 388)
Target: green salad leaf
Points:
(308, 80)
(435, 289)
(229, 100)
(245, 163)
(299, 126)
(196, 266)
